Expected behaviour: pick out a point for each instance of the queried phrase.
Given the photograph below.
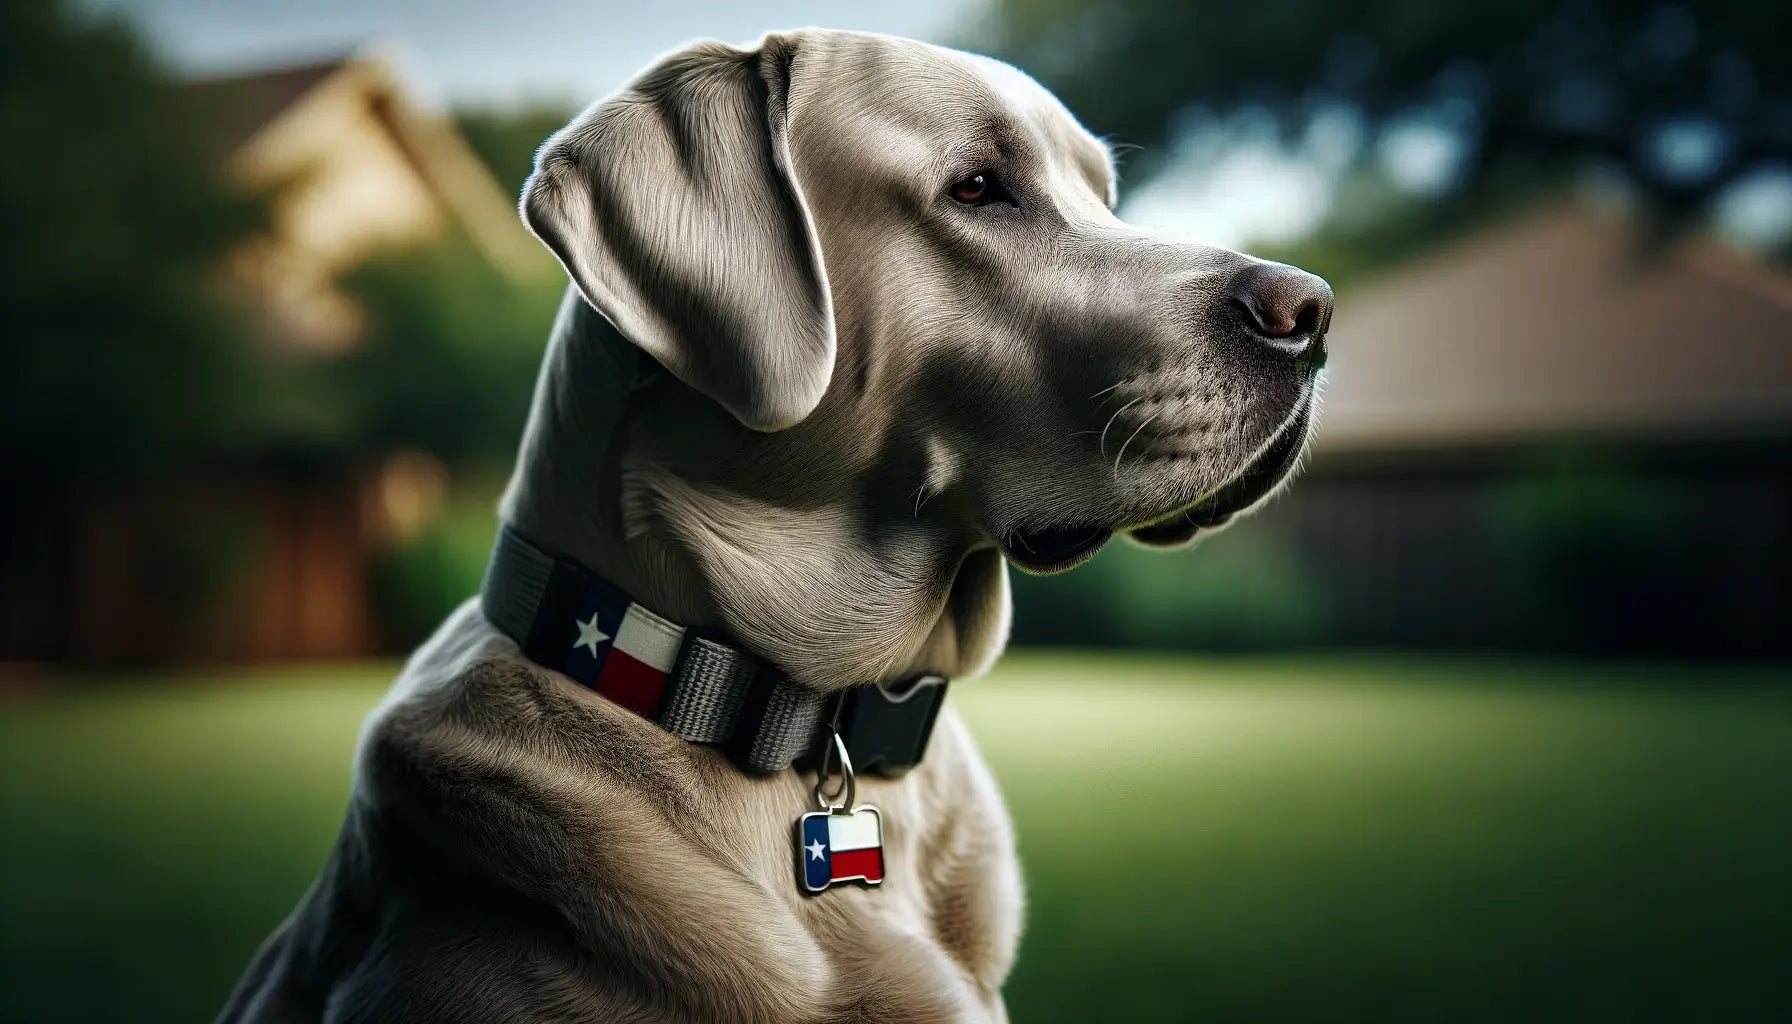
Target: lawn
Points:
(1267, 840)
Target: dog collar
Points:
(692, 682)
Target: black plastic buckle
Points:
(886, 729)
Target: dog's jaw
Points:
(1267, 474)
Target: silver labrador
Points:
(904, 342)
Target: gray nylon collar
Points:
(691, 682)
(694, 686)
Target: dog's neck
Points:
(565, 492)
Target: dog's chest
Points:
(865, 952)
(879, 958)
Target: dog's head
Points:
(909, 337)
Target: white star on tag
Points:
(815, 849)
(589, 635)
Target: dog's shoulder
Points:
(469, 706)
(514, 771)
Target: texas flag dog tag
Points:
(841, 846)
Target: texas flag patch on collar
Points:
(840, 847)
(620, 649)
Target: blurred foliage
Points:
(1244, 590)
(415, 584)
(450, 354)
(1592, 546)
(1683, 98)
(507, 139)
(119, 350)
(1589, 550)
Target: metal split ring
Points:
(849, 785)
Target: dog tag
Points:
(840, 846)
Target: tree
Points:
(451, 353)
(1683, 98)
(118, 350)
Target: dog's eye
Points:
(979, 189)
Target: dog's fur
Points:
(861, 395)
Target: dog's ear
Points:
(674, 207)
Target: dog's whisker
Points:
(1110, 387)
(1115, 396)
(1103, 443)
(920, 493)
(1135, 433)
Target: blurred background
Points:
(1489, 718)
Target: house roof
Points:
(1554, 324)
(241, 113)
(234, 107)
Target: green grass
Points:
(1282, 840)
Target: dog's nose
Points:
(1285, 307)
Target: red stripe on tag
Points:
(633, 684)
(867, 864)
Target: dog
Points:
(851, 327)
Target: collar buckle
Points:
(887, 727)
